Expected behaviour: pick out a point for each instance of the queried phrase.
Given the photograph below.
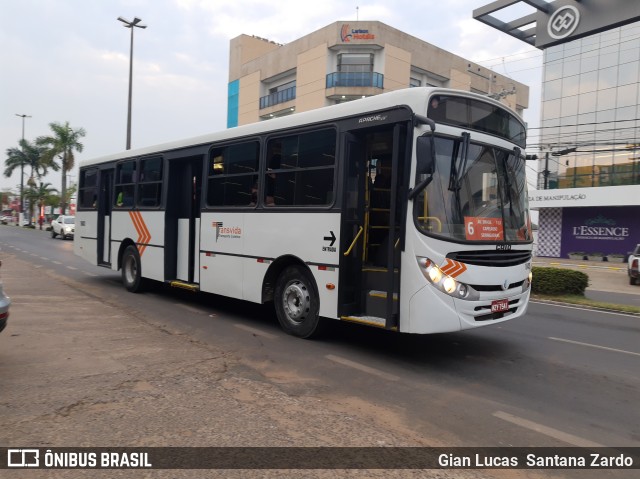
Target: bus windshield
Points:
(478, 193)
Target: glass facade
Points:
(591, 111)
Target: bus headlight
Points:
(435, 274)
(449, 284)
(446, 283)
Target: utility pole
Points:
(22, 173)
(546, 170)
(132, 25)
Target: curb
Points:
(584, 306)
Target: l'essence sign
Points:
(600, 230)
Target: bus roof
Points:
(414, 98)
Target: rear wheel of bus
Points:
(297, 303)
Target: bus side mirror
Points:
(425, 155)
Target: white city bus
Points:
(406, 211)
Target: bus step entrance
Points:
(377, 303)
(368, 321)
(376, 292)
(184, 285)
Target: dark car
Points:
(633, 267)
(5, 302)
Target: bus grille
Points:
(492, 258)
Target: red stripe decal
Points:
(453, 268)
(141, 228)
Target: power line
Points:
(582, 124)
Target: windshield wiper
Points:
(456, 177)
(507, 180)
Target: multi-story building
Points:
(589, 182)
(345, 61)
(588, 193)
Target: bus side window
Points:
(125, 184)
(300, 169)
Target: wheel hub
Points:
(131, 269)
(296, 301)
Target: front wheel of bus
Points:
(297, 303)
(131, 270)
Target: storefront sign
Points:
(347, 34)
(572, 197)
(600, 230)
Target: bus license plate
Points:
(499, 305)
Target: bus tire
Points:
(132, 270)
(297, 302)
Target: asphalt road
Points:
(559, 377)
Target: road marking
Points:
(33, 254)
(44, 258)
(90, 274)
(71, 267)
(547, 431)
(595, 346)
(362, 367)
(56, 262)
(255, 331)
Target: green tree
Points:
(27, 155)
(62, 144)
(40, 195)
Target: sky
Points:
(68, 60)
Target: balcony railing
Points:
(281, 96)
(355, 79)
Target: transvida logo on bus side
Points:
(222, 231)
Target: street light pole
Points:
(131, 25)
(22, 168)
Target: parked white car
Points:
(64, 226)
(633, 266)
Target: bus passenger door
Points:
(105, 204)
(352, 228)
(182, 221)
(375, 162)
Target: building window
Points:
(414, 82)
(355, 62)
(300, 169)
(233, 175)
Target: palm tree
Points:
(41, 195)
(62, 144)
(27, 155)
